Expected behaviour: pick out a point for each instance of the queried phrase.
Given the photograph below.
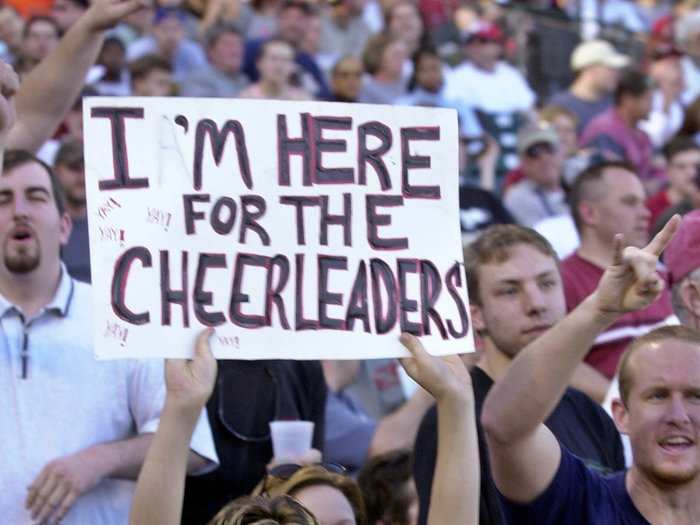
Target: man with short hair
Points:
(151, 76)
(597, 65)
(40, 37)
(683, 172)
(515, 294)
(346, 79)
(222, 76)
(67, 12)
(293, 17)
(539, 195)
(607, 200)
(76, 430)
(343, 30)
(69, 167)
(615, 133)
(541, 481)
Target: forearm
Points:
(455, 490)
(48, 92)
(540, 373)
(591, 382)
(161, 484)
(398, 430)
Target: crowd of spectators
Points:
(579, 134)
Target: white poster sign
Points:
(300, 230)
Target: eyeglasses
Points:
(537, 150)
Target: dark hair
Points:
(632, 83)
(383, 482)
(679, 145)
(282, 510)
(114, 41)
(302, 5)
(14, 158)
(143, 66)
(624, 372)
(420, 54)
(41, 18)
(216, 31)
(691, 121)
(582, 190)
(494, 245)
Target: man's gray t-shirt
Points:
(584, 110)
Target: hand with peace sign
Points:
(632, 282)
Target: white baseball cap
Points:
(597, 52)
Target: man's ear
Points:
(587, 212)
(477, 317)
(65, 227)
(690, 296)
(620, 415)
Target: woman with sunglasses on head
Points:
(455, 492)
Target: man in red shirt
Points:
(608, 199)
(683, 162)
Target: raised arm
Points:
(9, 83)
(161, 483)
(48, 92)
(524, 453)
(455, 491)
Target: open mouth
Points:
(676, 444)
(22, 234)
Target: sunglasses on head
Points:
(285, 472)
(537, 150)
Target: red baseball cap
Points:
(682, 254)
(481, 30)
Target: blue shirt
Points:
(578, 496)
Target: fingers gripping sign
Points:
(632, 282)
(190, 382)
(443, 377)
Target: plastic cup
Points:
(291, 439)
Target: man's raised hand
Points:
(105, 14)
(632, 283)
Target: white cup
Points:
(291, 439)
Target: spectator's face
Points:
(429, 73)
(542, 163)
(483, 52)
(312, 39)
(605, 78)
(113, 58)
(11, 25)
(393, 58)
(40, 40)
(31, 228)
(521, 298)
(276, 65)
(169, 33)
(328, 504)
(620, 208)
(406, 23)
(157, 83)
(683, 171)
(227, 53)
(65, 13)
(668, 76)
(292, 25)
(641, 106)
(566, 131)
(662, 417)
(347, 79)
(72, 180)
